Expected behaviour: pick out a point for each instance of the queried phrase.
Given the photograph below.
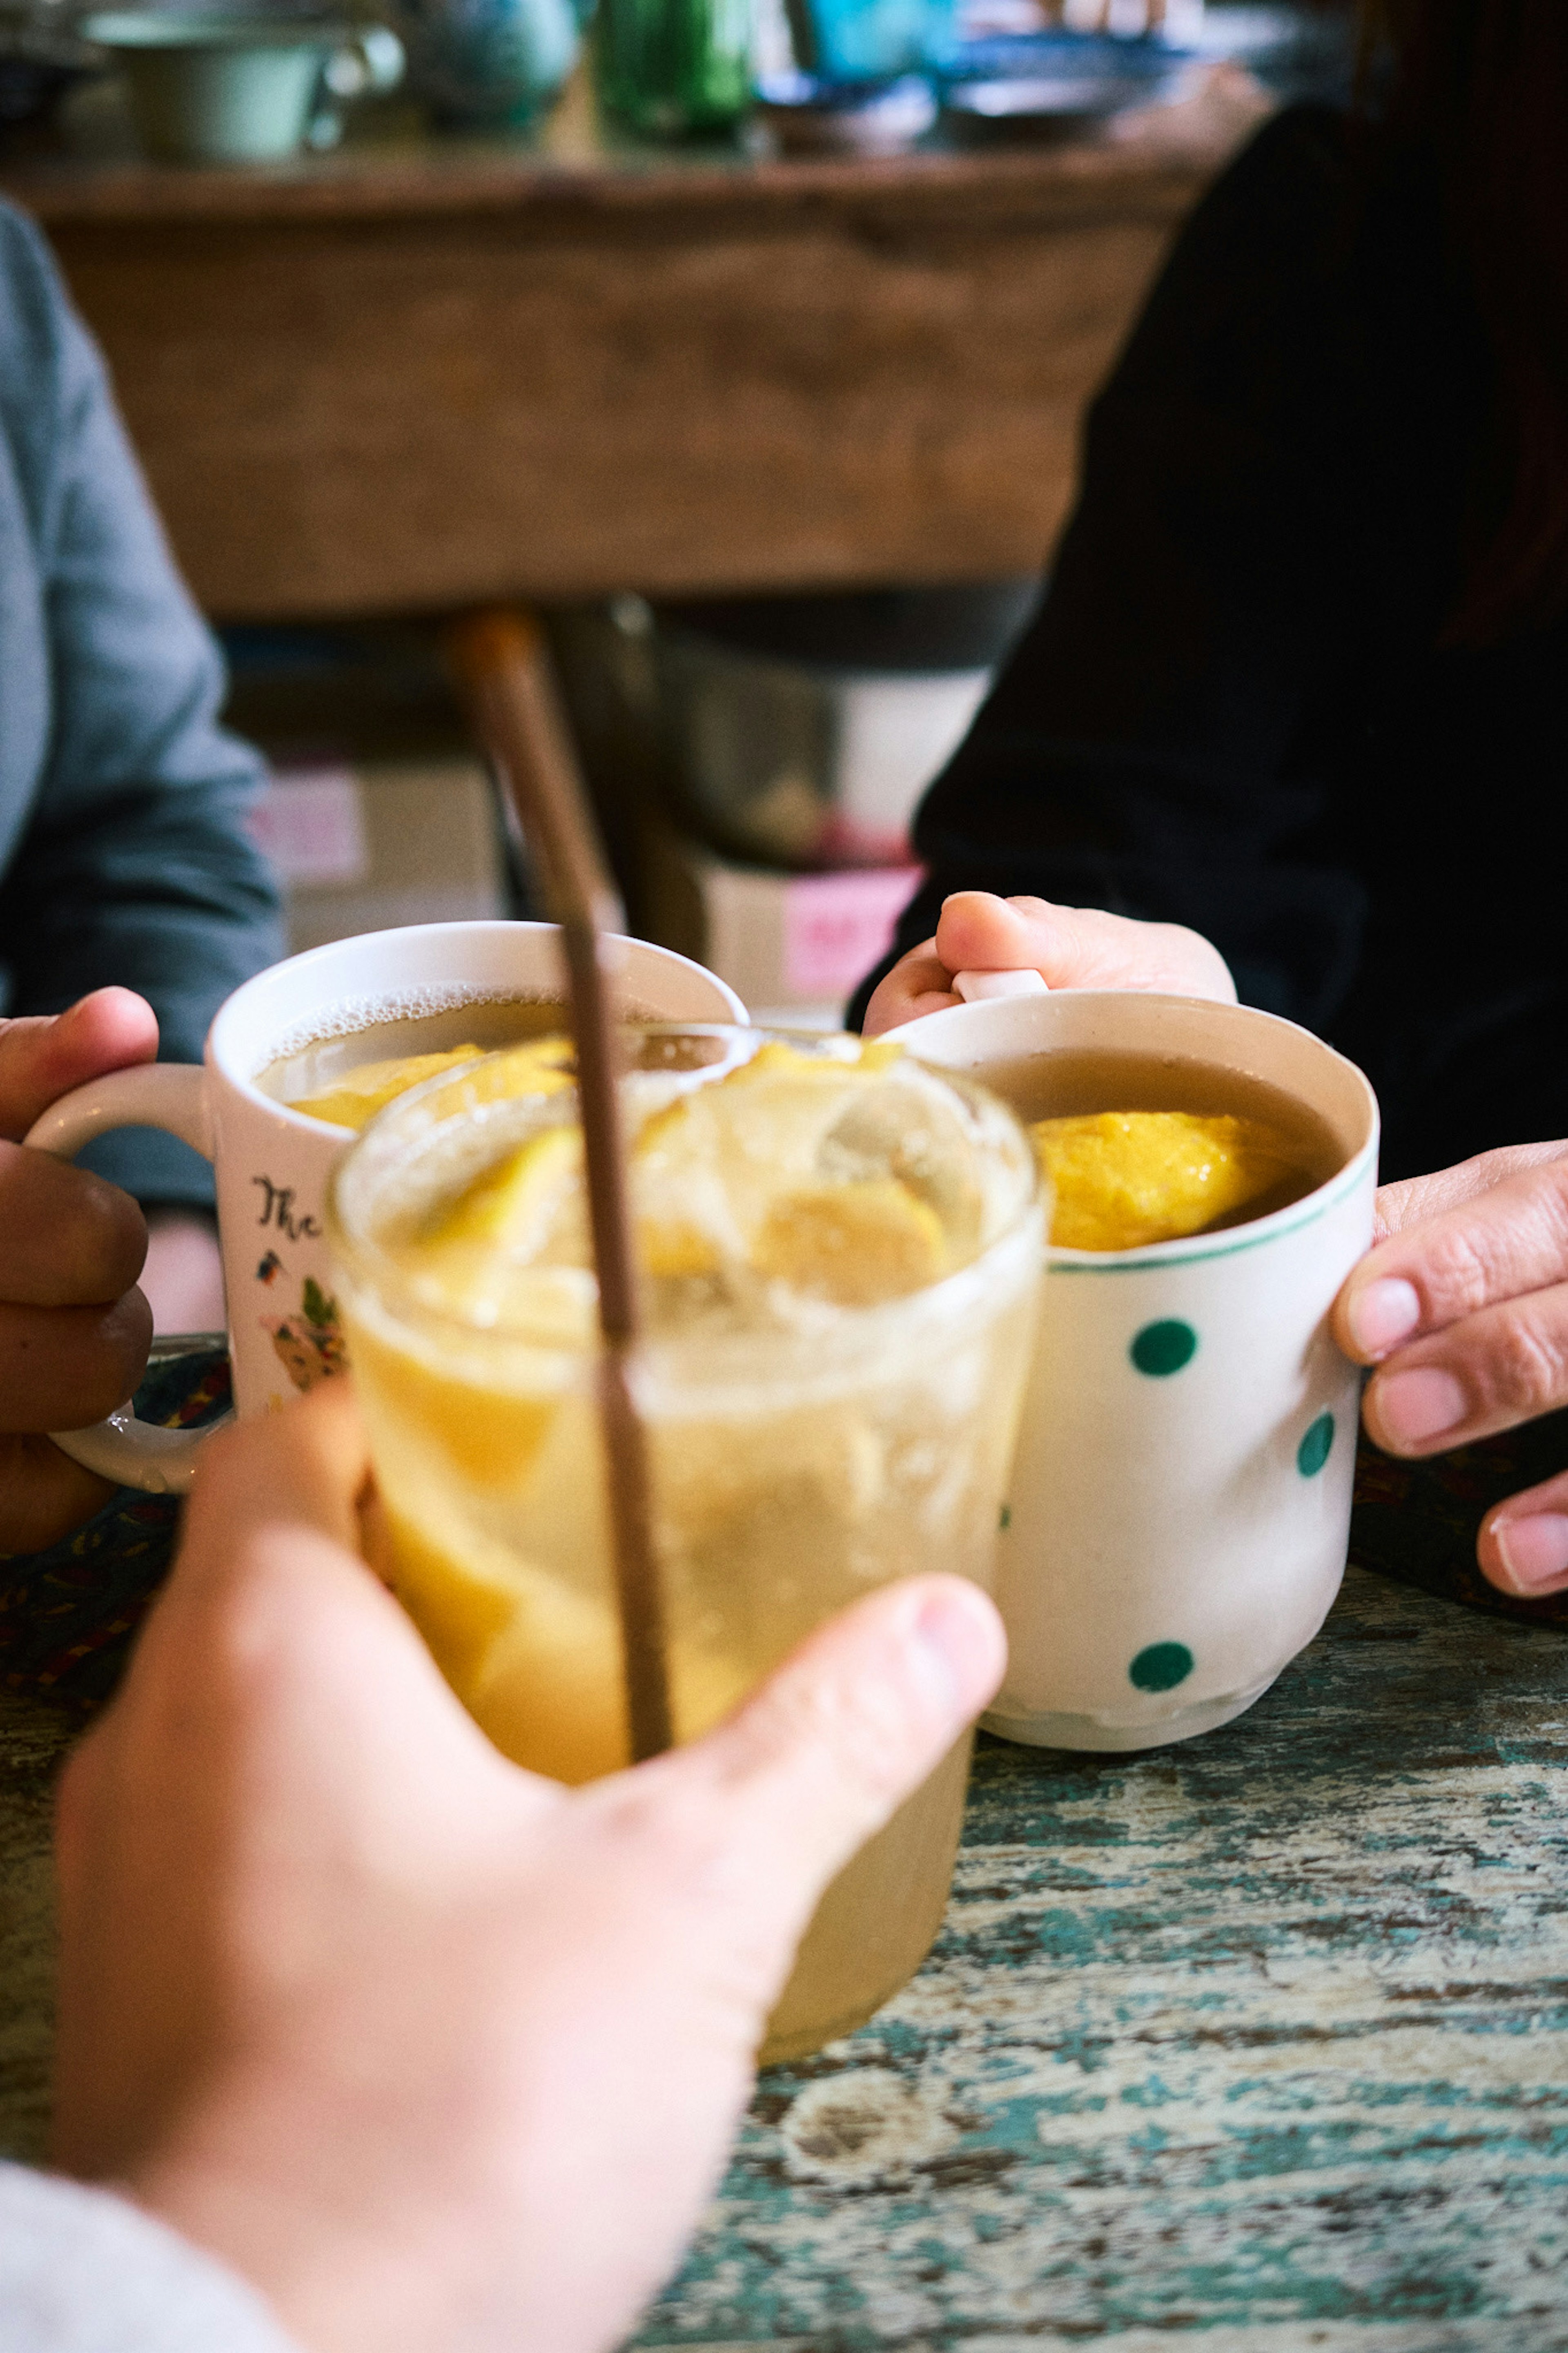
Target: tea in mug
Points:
(1142, 1148)
(349, 1072)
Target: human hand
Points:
(1069, 948)
(73, 1330)
(442, 2057)
(1462, 1306)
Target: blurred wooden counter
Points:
(415, 373)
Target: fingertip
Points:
(113, 1026)
(978, 930)
(958, 1644)
(915, 986)
(986, 904)
(1525, 1553)
(1415, 1410)
(45, 1056)
(878, 1693)
(883, 1012)
(1343, 1326)
(308, 1462)
(331, 1417)
(1375, 1313)
(332, 1408)
(815, 1762)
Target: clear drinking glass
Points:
(800, 1453)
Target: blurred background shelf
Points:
(379, 811)
(755, 765)
(630, 385)
(417, 372)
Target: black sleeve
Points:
(1140, 751)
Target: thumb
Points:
(853, 1721)
(1077, 947)
(44, 1057)
(1069, 948)
(978, 932)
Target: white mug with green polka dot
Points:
(1180, 1504)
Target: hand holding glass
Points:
(839, 1256)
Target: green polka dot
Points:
(1313, 1450)
(1005, 1521)
(1163, 1665)
(1165, 1347)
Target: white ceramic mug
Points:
(1180, 1504)
(271, 1164)
(215, 86)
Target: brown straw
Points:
(502, 665)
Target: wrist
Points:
(302, 2211)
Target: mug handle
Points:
(173, 1096)
(372, 60)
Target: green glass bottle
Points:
(671, 68)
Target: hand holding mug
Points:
(1180, 1499)
(74, 1328)
(452, 2055)
(1462, 1306)
(1069, 947)
(271, 1163)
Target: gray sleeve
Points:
(84, 2272)
(136, 867)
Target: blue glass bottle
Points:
(875, 40)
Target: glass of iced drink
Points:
(838, 1251)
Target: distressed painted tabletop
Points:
(1262, 2041)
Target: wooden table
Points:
(416, 374)
(1260, 2043)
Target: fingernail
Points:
(1533, 1551)
(959, 1648)
(976, 987)
(1415, 1406)
(1383, 1314)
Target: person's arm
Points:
(134, 867)
(84, 2272)
(1140, 752)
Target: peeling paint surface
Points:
(1260, 2043)
(33, 1740)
